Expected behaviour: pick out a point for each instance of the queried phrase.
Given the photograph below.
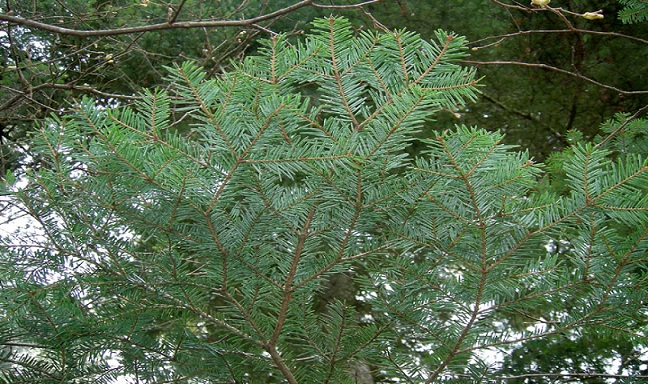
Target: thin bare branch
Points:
(559, 70)
(251, 22)
(346, 6)
(500, 38)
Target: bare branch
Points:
(251, 22)
(499, 38)
(174, 17)
(87, 89)
(347, 6)
(559, 70)
(569, 376)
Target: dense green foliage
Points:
(210, 258)
(634, 11)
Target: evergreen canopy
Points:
(208, 257)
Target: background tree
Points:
(547, 69)
(202, 258)
(57, 51)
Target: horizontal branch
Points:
(555, 31)
(153, 27)
(559, 70)
(86, 89)
(347, 6)
(584, 375)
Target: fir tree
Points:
(211, 257)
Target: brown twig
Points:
(559, 70)
(251, 22)
(552, 31)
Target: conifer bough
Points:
(209, 257)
